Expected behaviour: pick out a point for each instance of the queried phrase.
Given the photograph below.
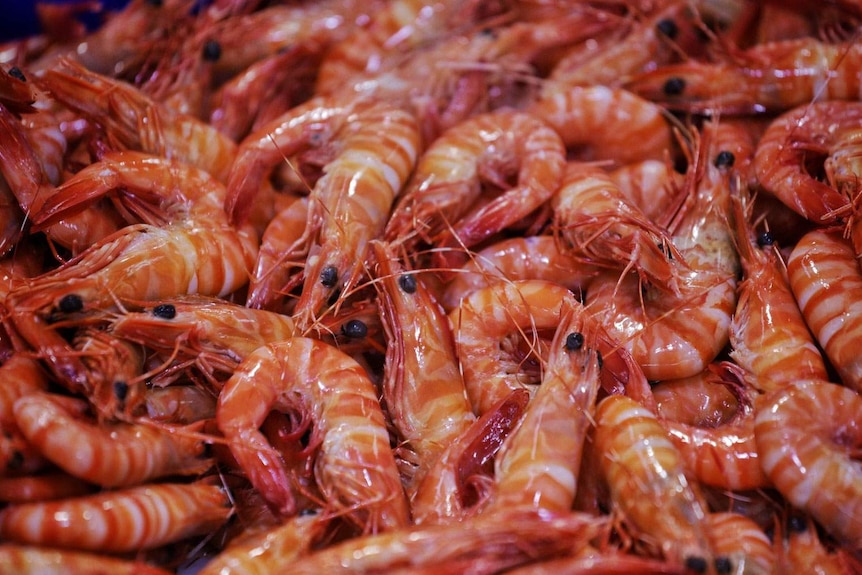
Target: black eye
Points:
(674, 86)
(329, 276)
(668, 27)
(165, 311)
(696, 564)
(16, 73)
(724, 159)
(71, 303)
(574, 341)
(723, 565)
(121, 390)
(765, 239)
(354, 329)
(407, 283)
(212, 51)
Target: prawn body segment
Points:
(355, 468)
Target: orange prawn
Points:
(809, 453)
(197, 252)
(647, 482)
(825, 278)
(375, 147)
(127, 520)
(355, 468)
(740, 545)
(45, 560)
(115, 455)
(793, 142)
(438, 205)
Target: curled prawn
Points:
(809, 454)
(126, 520)
(439, 203)
(825, 278)
(198, 251)
(355, 468)
(793, 142)
(116, 455)
(375, 146)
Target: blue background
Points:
(18, 17)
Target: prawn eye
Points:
(668, 27)
(674, 86)
(165, 311)
(723, 565)
(724, 159)
(155, 3)
(696, 564)
(354, 329)
(16, 73)
(71, 303)
(599, 359)
(797, 524)
(765, 239)
(212, 51)
(574, 341)
(407, 283)
(121, 391)
(329, 276)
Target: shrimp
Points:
(49, 485)
(272, 550)
(136, 122)
(376, 146)
(793, 142)
(273, 274)
(438, 204)
(19, 376)
(32, 560)
(116, 455)
(672, 336)
(799, 549)
(602, 123)
(768, 335)
(179, 404)
(824, 275)
(651, 185)
(740, 545)
(197, 252)
(206, 332)
(126, 520)
(522, 258)
(593, 217)
(422, 388)
(484, 544)
(767, 78)
(538, 463)
(809, 453)
(488, 324)
(647, 482)
(355, 468)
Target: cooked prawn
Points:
(355, 468)
(32, 560)
(127, 520)
(825, 278)
(809, 453)
(115, 455)
(740, 545)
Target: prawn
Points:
(809, 454)
(646, 478)
(768, 78)
(484, 544)
(678, 335)
(740, 545)
(126, 520)
(651, 185)
(522, 258)
(44, 560)
(206, 332)
(355, 468)
(703, 399)
(602, 123)
(115, 455)
(375, 147)
(422, 389)
(438, 205)
(824, 275)
(197, 252)
(179, 404)
(594, 218)
(769, 337)
(538, 463)
(42, 487)
(137, 122)
(793, 142)
(19, 376)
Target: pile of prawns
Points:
(462, 286)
